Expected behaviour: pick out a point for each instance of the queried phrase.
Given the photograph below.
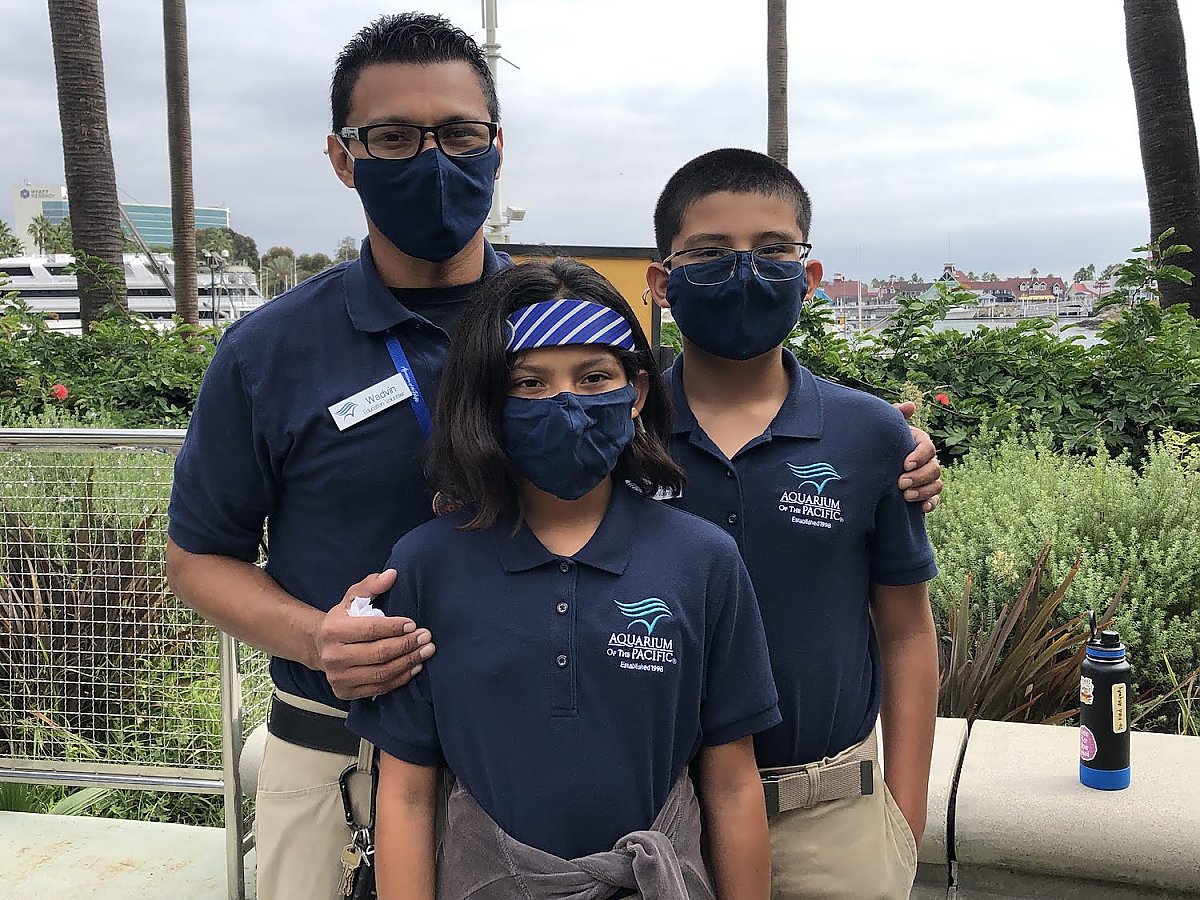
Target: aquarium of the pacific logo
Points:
(807, 504)
(636, 647)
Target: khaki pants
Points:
(300, 829)
(857, 848)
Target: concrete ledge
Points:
(949, 738)
(1021, 811)
(99, 859)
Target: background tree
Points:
(1085, 273)
(309, 264)
(777, 108)
(1166, 132)
(1110, 270)
(915, 277)
(214, 239)
(278, 270)
(59, 237)
(87, 150)
(989, 276)
(40, 229)
(347, 249)
(10, 244)
(179, 150)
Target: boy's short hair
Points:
(415, 38)
(733, 170)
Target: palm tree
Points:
(179, 141)
(87, 152)
(10, 244)
(1167, 132)
(279, 270)
(214, 239)
(60, 238)
(777, 111)
(40, 229)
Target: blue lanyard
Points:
(419, 407)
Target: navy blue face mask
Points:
(567, 444)
(429, 206)
(742, 317)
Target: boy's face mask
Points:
(568, 444)
(745, 315)
(429, 206)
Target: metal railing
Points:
(106, 679)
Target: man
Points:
(802, 473)
(311, 419)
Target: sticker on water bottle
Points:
(1087, 690)
(1118, 708)
(1087, 744)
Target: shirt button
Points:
(564, 567)
(561, 660)
(729, 473)
(732, 518)
(562, 609)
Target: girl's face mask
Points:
(567, 444)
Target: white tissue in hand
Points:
(361, 606)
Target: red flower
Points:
(60, 392)
(943, 399)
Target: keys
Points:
(352, 858)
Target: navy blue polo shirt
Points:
(263, 445)
(815, 509)
(568, 694)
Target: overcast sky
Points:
(1001, 136)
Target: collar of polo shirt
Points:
(609, 550)
(801, 416)
(373, 307)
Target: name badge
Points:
(366, 403)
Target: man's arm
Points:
(908, 651)
(404, 851)
(361, 656)
(735, 818)
(922, 478)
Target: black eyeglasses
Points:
(400, 140)
(716, 265)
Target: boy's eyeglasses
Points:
(400, 140)
(716, 265)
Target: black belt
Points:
(314, 730)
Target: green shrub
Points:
(1002, 504)
(123, 373)
(1116, 395)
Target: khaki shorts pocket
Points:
(902, 834)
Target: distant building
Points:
(153, 221)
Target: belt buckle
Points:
(770, 785)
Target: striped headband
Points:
(560, 323)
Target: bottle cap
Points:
(1110, 638)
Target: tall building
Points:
(153, 221)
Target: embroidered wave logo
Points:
(817, 474)
(346, 410)
(648, 612)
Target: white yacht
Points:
(44, 285)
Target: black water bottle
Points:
(1104, 692)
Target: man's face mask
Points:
(736, 308)
(429, 206)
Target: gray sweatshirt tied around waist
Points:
(479, 861)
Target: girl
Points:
(592, 642)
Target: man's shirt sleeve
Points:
(401, 722)
(900, 550)
(224, 485)
(740, 697)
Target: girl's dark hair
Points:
(465, 459)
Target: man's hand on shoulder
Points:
(365, 656)
(922, 478)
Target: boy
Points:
(802, 473)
